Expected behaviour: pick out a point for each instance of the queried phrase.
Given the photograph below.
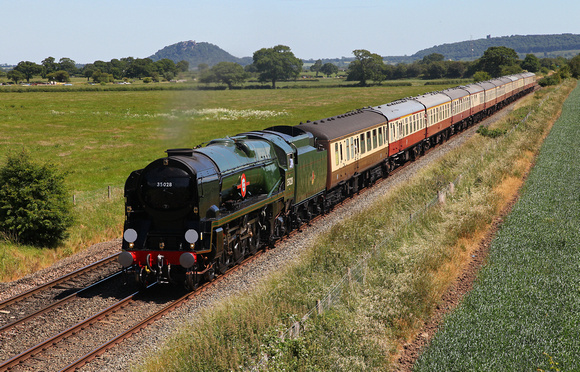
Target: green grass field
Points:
(524, 311)
(99, 137)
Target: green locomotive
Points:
(199, 211)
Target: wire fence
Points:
(102, 194)
(355, 276)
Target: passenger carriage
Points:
(406, 129)
(460, 108)
(438, 114)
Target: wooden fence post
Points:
(441, 197)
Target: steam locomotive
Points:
(197, 212)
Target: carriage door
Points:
(355, 151)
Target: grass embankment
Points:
(414, 264)
(98, 138)
(524, 311)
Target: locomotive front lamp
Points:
(191, 236)
(130, 235)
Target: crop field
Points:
(524, 311)
(99, 137)
(367, 326)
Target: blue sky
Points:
(90, 30)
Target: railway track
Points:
(92, 336)
(21, 305)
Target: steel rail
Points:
(57, 303)
(22, 296)
(66, 333)
(156, 316)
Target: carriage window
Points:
(369, 144)
(341, 158)
(347, 150)
(381, 136)
(375, 139)
(362, 143)
(336, 153)
(351, 149)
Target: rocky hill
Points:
(196, 53)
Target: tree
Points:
(400, 71)
(140, 68)
(101, 77)
(481, 76)
(34, 206)
(277, 63)
(496, 58)
(510, 70)
(414, 70)
(15, 76)
(28, 69)
(531, 63)
(575, 67)
(366, 66)
(182, 66)
(436, 70)
(207, 77)
(49, 66)
(88, 70)
(329, 69)
(433, 57)
(316, 67)
(60, 76)
(456, 69)
(68, 65)
(165, 65)
(202, 67)
(229, 73)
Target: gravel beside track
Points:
(145, 343)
